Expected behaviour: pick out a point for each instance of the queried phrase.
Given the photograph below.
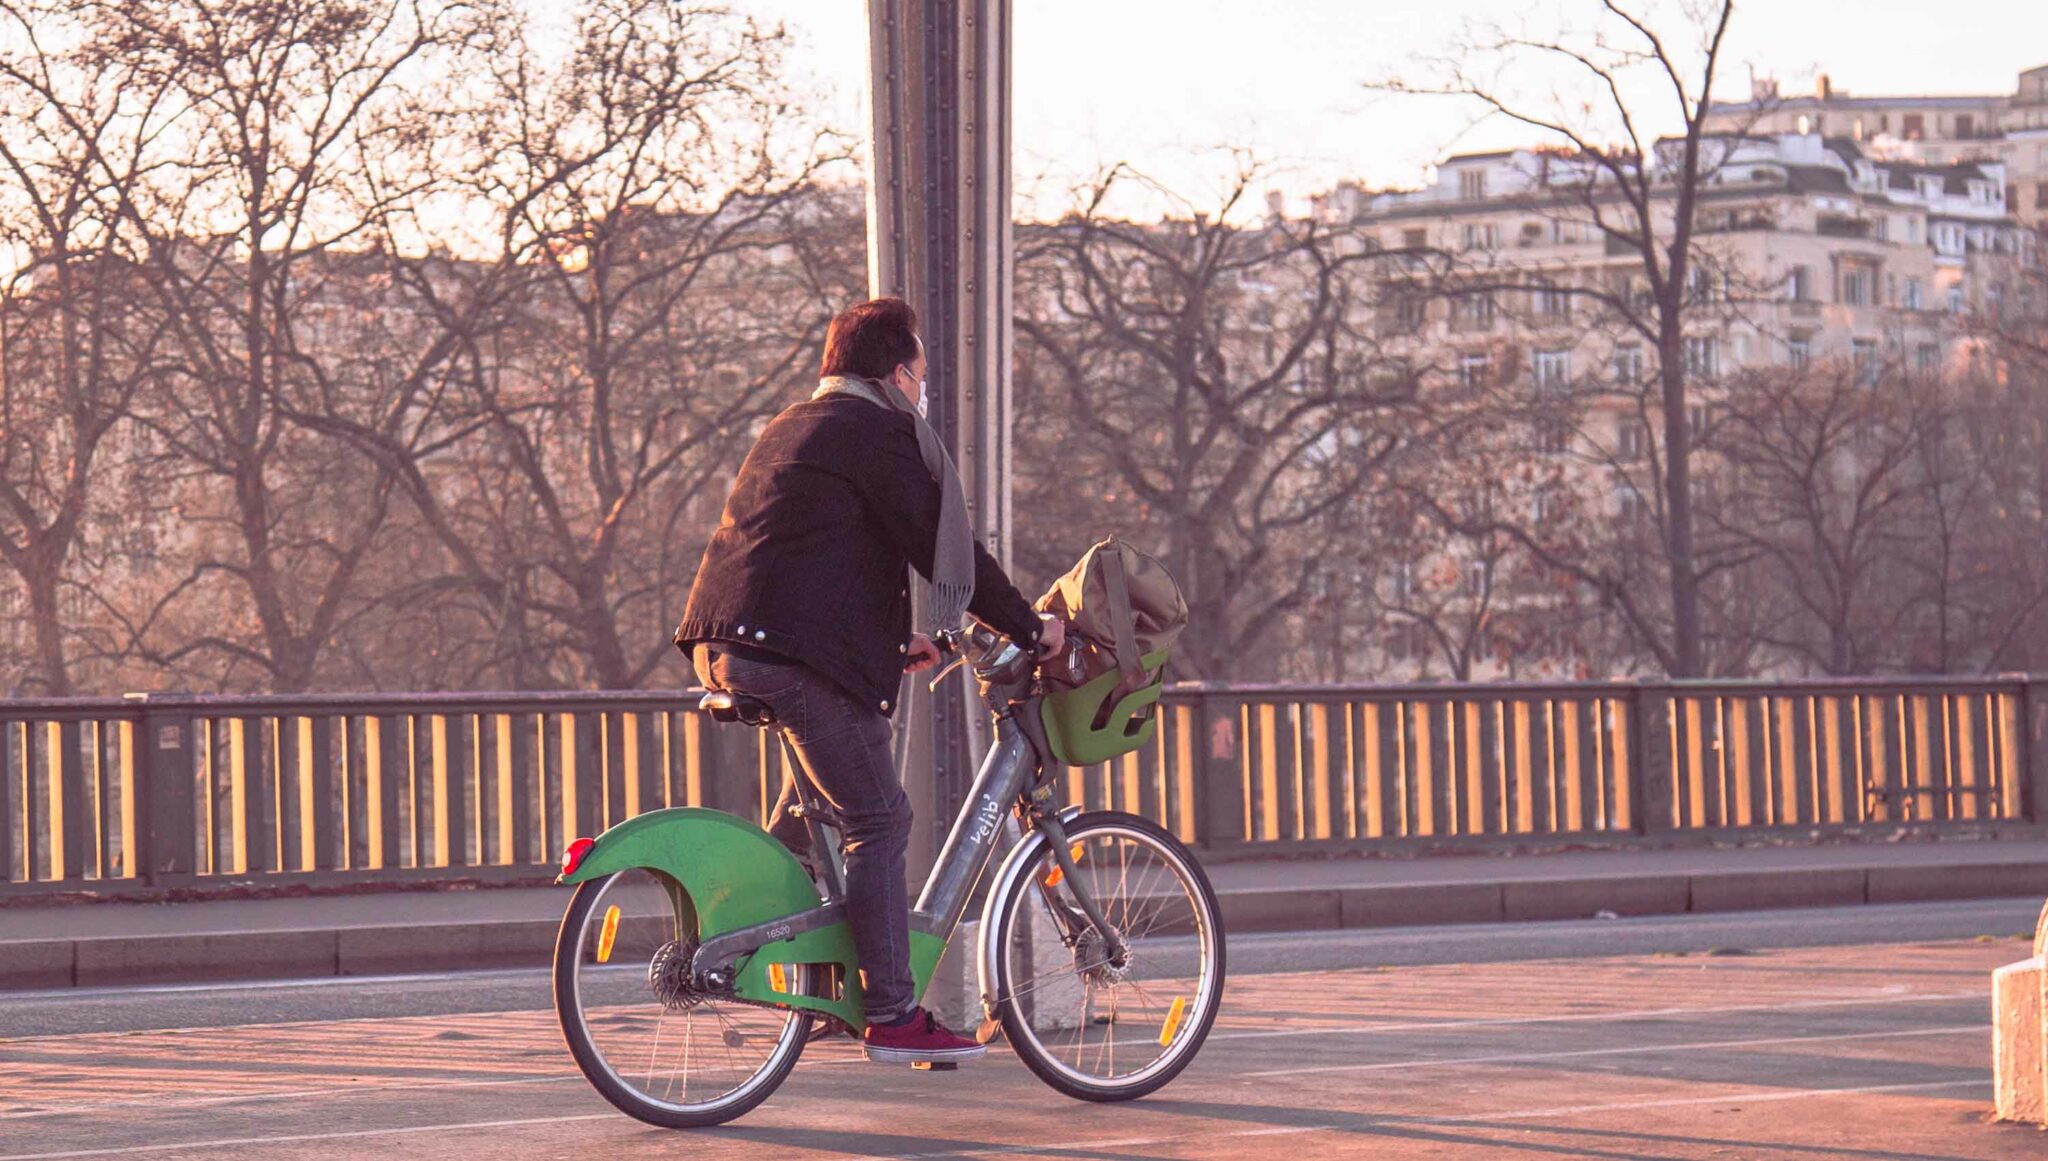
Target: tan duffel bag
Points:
(1123, 612)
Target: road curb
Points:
(404, 948)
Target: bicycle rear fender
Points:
(729, 874)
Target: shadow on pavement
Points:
(869, 1144)
(1622, 1143)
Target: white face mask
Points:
(922, 402)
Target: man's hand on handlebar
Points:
(921, 655)
(1052, 638)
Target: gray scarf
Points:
(953, 551)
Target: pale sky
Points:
(1155, 81)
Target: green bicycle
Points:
(697, 957)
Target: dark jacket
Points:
(810, 558)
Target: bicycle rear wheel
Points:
(660, 1050)
(1090, 1025)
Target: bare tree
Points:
(1642, 194)
(659, 266)
(1831, 464)
(77, 343)
(1202, 386)
(299, 122)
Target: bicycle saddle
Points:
(724, 706)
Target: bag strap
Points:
(1120, 624)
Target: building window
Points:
(1402, 582)
(1927, 357)
(1799, 350)
(1856, 286)
(1475, 371)
(1628, 364)
(2041, 196)
(1913, 126)
(1916, 294)
(1476, 578)
(1799, 284)
(1963, 125)
(1482, 236)
(1410, 311)
(1702, 356)
(1913, 231)
(1863, 356)
(1702, 285)
(1628, 504)
(1415, 239)
(1562, 230)
(1955, 300)
(1554, 302)
(1552, 371)
(1553, 436)
(1407, 641)
(1930, 187)
(1474, 311)
(1628, 439)
(1472, 184)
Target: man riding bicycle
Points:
(802, 601)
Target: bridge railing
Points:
(180, 791)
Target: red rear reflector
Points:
(573, 858)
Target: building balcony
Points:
(1842, 226)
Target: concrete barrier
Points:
(241, 955)
(1964, 881)
(1416, 904)
(2019, 1034)
(1585, 898)
(1315, 909)
(1760, 890)
(39, 964)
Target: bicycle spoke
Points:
(629, 1014)
(1132, 1006)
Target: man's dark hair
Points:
(870, 340)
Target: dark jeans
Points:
(845, 751)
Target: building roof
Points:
(1816, 179)
(1490, 155)
(1838, 101)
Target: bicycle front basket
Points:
(1085, 728)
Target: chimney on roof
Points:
(1823, 88)
(1276, 204)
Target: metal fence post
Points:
(1218, 781)
(163, 787)
(2034, 704)
(1650, 770)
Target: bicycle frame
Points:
(741, 958)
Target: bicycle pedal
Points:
(934, 1066)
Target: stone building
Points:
(2007, 127)
(1503, 276)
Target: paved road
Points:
(1861, 1050)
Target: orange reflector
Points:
(609, 934)
(777, 978)
(1173, 1015)
(1054, 876)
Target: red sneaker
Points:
(921, 1039)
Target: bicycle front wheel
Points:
(1092, 1024)
(659, 1049)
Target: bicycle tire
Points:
(1030, 1047)
(590, 1059)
